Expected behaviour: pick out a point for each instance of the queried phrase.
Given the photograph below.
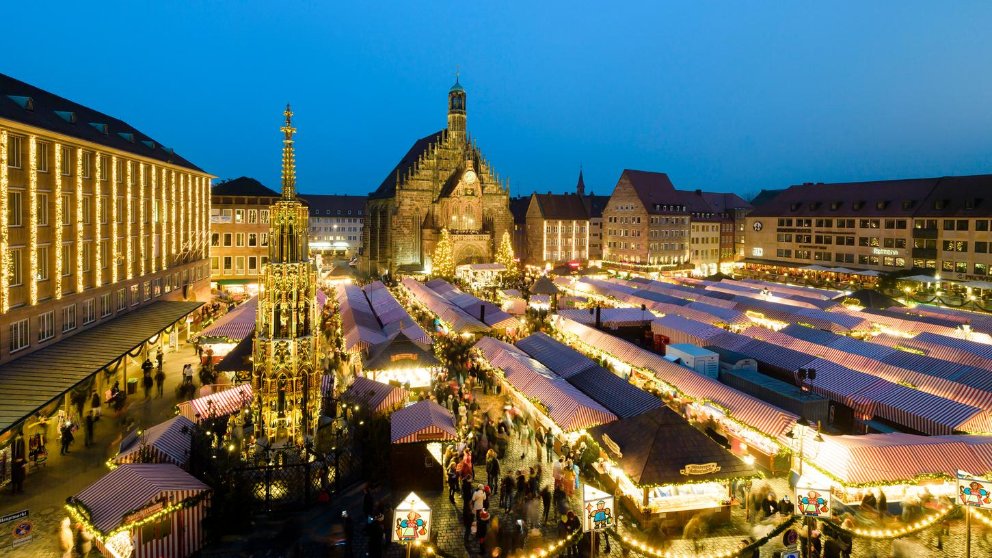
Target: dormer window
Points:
(26, 103)
(881, 205)
(795, 207)
(908, 204)
(149, 144)
(101, 127)
(972, 204)
(857, 205)
(66, 115)
(126, 135)
(939, 204)
(836, 205)
(814, 205)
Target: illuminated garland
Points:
(74, 511)
(114, 210)
(164, 246)
(79, 220)
(141, 219)
(98, 267)
(57, 172)
(981, 517)
(33, 220)
(894, 533)
(4, 264)
(154, 221)
(128, 230)
(184, 201)
(650, 550)
(172, 220)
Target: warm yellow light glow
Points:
(114, 248)
(79, 219)
(172, 219)
(97, 268)
(33, 220)
(129, 216)
(57, 225)
(4, 265)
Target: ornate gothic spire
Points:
(288, 157)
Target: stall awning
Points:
(166, 441)
(236, 324)
(217, 404)
(399, 351)
(235, 361)
(133, 487)
(379, 397)
(660, 448)
(424, 421)
(32, 381)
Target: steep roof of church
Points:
(388, 187)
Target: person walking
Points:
(90, 421)
(147, 383)
(546, 501)
(187, 373)
(159, 357)
(66, 438)
(146, 367)
(17, 474)
(160, 381)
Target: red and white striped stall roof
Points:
(759, 415)
(459, 320)
(378, 396)
(895, 457)
(132, 487)
(237, 324)
(390, 312)
(165, 443)
(359, 325)
(221, 403)
(424, 421)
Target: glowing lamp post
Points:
(411, 522)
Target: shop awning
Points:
(235, 361)
(165, 442)
(217, 404)
(133, 487)
(399, 351)
(424, 421)
(379, 397)
(236, 324)
(660, 448)
(34, 380)
(459, 320)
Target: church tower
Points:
(456, 112)
(286, 378)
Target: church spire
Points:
(288, 157)
(580, 188)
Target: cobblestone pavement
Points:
(46, 488)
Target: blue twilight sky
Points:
(733, 96)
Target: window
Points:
(239, 215)
(46, 326)
(961, 267)
(14, 150)
(68, 318)
(214, 263)
(982, 225)
(135, 295)
(252, 239)
(105, 305)
(41, 156)
(67, 264)
(134, 210)
(252, 216)
(87, 164)
(66, 162)
(239, 240)
(981, 247)
(89, 311)
(16, 267)
(252, 265)
(119, 170)
(18, 335)
(87, 256)
(42, 263)
(981, 269)
(228, 265)
(263, 216)
(265, 239)
(147, 290)
(228, 239)
(105, 210)
(239, 265)
(87, 209)
(102, 167)
(121, 299)
(67, 209)
(104, 254)
(14, 209)
(42, 210)
(948, 224)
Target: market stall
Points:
(378, 397)
(166, 442)
(662, 466)
(221, 403)
(222, 336)
(416, 435)
(144, 510)
(401, 361)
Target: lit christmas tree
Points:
(504, 255)
(444, 259)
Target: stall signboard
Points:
(813, 502)
(700, 469)
(411, 521)
(974, 492)
(597, 509)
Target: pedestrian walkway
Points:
(47, 487)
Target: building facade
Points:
(239, 233)
(286, 377)
(562, 228)
(443, 182)
(336, 224)
(96, 219)
(937, 225)
(646, 224)
(518, 208)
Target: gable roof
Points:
(243, 186)
(654, 189)
(518, 207)
(50, 112)
(765, 196)
(388, 186)
(725, 201)
(561, 206)
(595, 205)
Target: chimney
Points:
(482, 313)
(599, 318)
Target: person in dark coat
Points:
(785, 506)
(90, 421)
(373, 532)
(159, 382)
(869, 503)
(66, 438)
(17, 474)
(883, 505)
(546, 501)
(769, 507)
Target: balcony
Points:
(925, 233)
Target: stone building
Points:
(286, 377)
(646, 224)
(564, 228)
(443, 181)
(239, 233)
(336, 223)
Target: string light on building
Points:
(97, 252)
(114, 248)
(142, 251)
(33, 220)
(57, 226)
(79, 220)
(4, 240)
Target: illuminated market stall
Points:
(661, 465)
(379, 398)
(400, 360)
(225, 402)
(222, 336)
(144, 510)
(166, 442)
(417, 433)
